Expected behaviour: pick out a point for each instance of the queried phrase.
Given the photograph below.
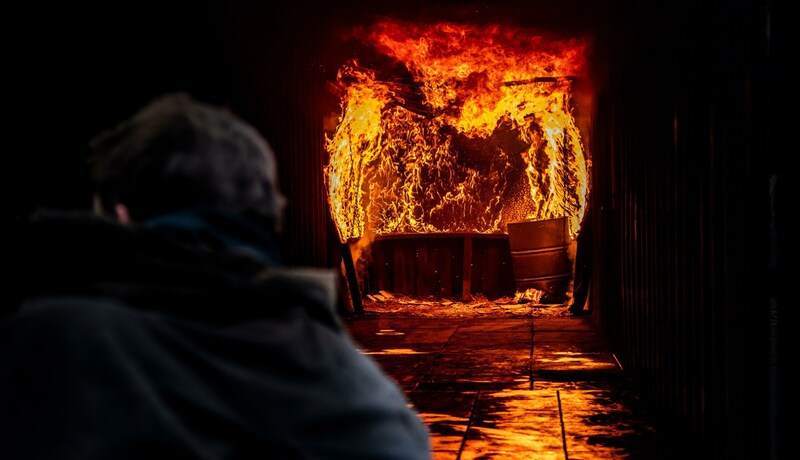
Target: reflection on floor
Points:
(507, 381)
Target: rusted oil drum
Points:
(540, 257)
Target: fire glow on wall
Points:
(456, 128)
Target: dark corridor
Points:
(694, 142)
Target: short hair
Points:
(177, 153)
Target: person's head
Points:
(177, 153)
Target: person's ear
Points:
(123, 216)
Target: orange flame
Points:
(471, 129)
(532, 295)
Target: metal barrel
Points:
(540, 257)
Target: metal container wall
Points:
(681, 202)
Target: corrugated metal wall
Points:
(308, 211)
(682, 172)
(278, 63)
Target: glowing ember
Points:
(528, 295)
(471, 128)
(478, 306)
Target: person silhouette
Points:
(163, 323)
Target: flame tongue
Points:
(443, 148)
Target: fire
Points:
(528, 295)
(469, 128)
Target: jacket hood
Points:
(217, 268)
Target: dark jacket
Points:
(183, 338)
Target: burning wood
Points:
(443, 308)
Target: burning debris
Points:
(519, 305)
(529, 295)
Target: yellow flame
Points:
(532, 295)
(475, 131)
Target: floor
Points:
(507, 381)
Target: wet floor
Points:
(522, 385)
